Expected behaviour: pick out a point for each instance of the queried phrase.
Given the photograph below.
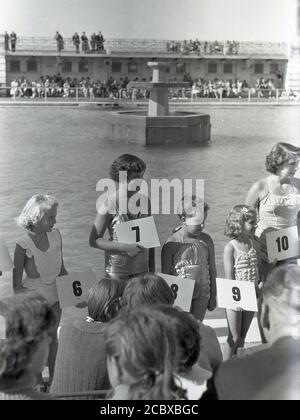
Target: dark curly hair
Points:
(236, 219)
(280, 154)
(129, 164)
(186, 332)
(27, 318)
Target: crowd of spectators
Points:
(93, 44)
(207, 48)
(88, 88)
(59, 87)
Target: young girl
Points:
(190, 253)
(24, 351)
(122, 261)
(142, 357)
(39, 254)
(241, 262)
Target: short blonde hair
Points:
(35, 210)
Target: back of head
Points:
(282, 288)
(104, 299)
(186, 332)
(144, 346)
(27, 318)
(147, 289)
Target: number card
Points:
(6, 263)
(283, 244)
(73, 288)
(140, 232)
(183, 290)
(233, 294)
(2, 328)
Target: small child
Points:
(242, 263)
(122, 261)
(24, 351)
(39, 253)
(190, 253)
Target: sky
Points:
(242, 20)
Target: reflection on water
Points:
(61, 151)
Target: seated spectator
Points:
(147, 289)
(24, 351)
(276, 369)
(191, 376)
(142, 361)
(81, 359)
(150, 289)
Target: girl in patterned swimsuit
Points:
(242, 263)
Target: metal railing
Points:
(82, 94)
(41, 44)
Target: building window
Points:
(133, 67)
(67, 67)
(15, 66)
(259, 68)
(213, 68)
(228, 68)
(32, 66)
(116, 67)
(274, 68)
(181, 68)
(83, 67)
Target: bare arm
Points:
(256, 193)
(98, 242)
(63, 271)
(19, 263)
(213, 274)
(229, 262)
(261, 278)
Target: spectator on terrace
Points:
(93, 42)
(60, 41)
(100, 42)
(13, 41)
(85, 42)
(6, 41)
(76, 41)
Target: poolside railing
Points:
(85, 94)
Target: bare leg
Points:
(54, 343)
(234, 320)
(247, 318)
